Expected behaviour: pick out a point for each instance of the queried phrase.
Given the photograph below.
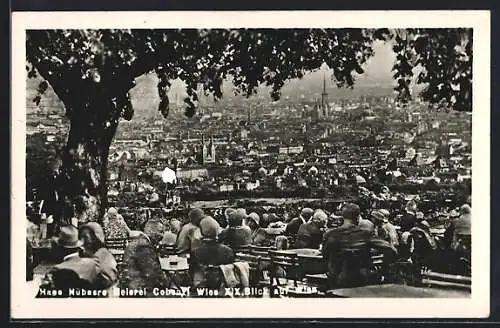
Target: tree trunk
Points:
(84, 168)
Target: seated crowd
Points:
(344, 241)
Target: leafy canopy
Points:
(85, 65)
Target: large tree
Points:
(92, 72)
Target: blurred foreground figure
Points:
(141, 264)
(74, 271)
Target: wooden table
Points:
(396, 291)
(172, 269)
(306, 252)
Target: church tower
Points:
(208, 151)
(324, 98)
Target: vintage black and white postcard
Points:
(250, 164)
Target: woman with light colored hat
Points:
(259, 236)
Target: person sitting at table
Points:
(115, 226)
(93, 241)
(170, 237)
(293, 226)
(459, 227)
(190, 235)
(141, 264)
(310, 234)
(211, 252)
(384, 229)
(236, 234)
(73, 271)
(259, 236)
(347, 250)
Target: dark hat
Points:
(351, 211)
(68, 237)
(195, 215)
(209, 227)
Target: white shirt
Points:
(302, 218)
(70, 256)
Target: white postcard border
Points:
(25, 306)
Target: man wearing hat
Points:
(74, 271)
(236, 234)
(293, 226)
(211, 252)
(190, 232)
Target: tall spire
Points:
(324, 83)
(324, 97)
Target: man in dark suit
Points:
(211, 252)
(347, 250)
(236, 234)
(141, 264)
(293, 226)
(310, 234)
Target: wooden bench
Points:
(446, 281)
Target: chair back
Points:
(120, 243)
(379, 270)
(117, 248)
(255, 264)
(241, 249)
(284, 265)
(259, 250)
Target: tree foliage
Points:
(443, 58)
